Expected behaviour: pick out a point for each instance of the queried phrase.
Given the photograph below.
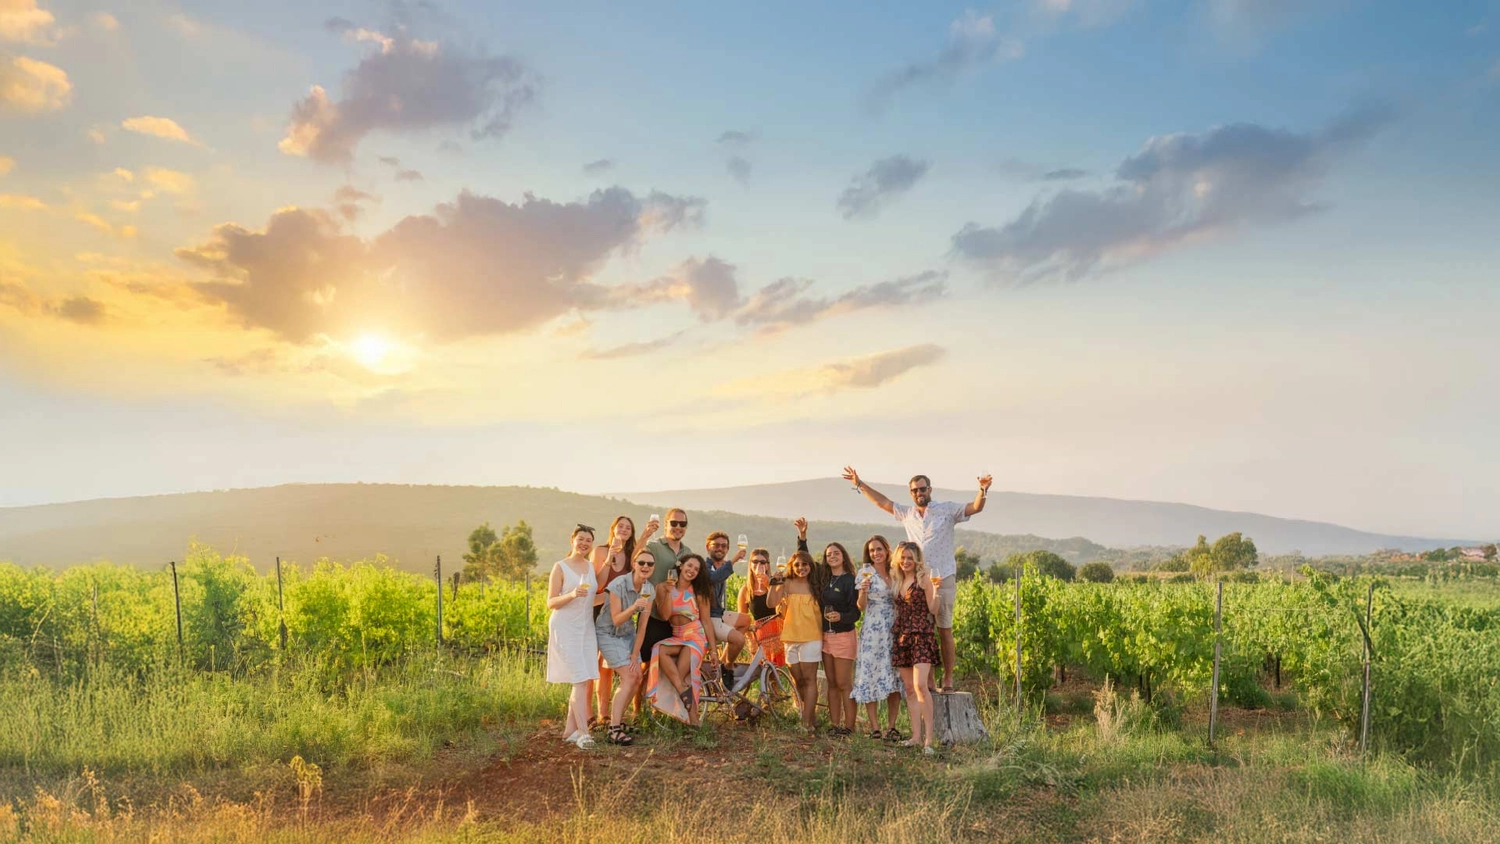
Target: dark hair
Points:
(817, 575)
(581, 529)
(848, 560)
(888, 554)
(701, 584)
(915, 478)
(629, 548)
(718, 534)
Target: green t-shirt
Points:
(665, 557)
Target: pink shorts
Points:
(841, 645)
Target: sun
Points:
(370, 350)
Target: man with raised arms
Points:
(930, 525)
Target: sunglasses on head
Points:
(676, 523)
(583, 528)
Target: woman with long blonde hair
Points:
(914, 649)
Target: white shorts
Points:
(803, 652)
(724, 626)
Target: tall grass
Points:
(177, 723)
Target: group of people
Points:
(651, 613)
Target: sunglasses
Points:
(646, 563)
(917, 489)
(675, 523)
(760, 562)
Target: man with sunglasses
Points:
(666, 550)
(728, 624)
(930, 525)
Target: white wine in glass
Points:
(744, 542)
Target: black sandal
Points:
(876, 734)
(893, 734)
(617, 735)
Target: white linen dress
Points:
(572, 649)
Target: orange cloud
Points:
(22, 21)
(22, 203)
(160, 127)
(28, 86)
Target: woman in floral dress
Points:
(875, 678)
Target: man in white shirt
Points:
(931, 527)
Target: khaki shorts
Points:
(726, 625)
(947, 595)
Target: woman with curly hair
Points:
(797, 596)
(676, 677)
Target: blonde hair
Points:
(898, 574)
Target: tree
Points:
(1046, 563)
(1097, 572)
(517, 552)
(1000, 572)
(1490, 551)
(1230, 552)
(479, 563)
(968, 564)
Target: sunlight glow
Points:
(370, 350)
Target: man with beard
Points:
(666, 549)
(728, 626)
(930, 525)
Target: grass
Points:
(464, 749)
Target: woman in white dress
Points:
(572, 649)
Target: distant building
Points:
(1472, 554)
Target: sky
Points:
(1235, 253)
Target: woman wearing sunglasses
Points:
(676, 677)
(610, 562)
(572, 647)
(620, 636)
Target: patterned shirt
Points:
(933, 532)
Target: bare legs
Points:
(630, 680)
(950, 654)
(918, 703)
(840, 675)
(606, 682)
(892, 709)
(578, 711)
(805, 674)
(735, 644)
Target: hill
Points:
(409, 524)
(1112, 522)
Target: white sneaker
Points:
(586, 742)
(573, 739)
(927, 750)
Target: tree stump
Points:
(955, 718)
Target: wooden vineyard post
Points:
(526, 628)
(1213, 693)
(1020, 701)
(437, 574)
(177, 599)
(98, 655)
(1364, 700)
(280, 606)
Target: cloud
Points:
(6, 164)
(160, 127)
(21, 21)
(739, 167)
(1064, 174)
(104, 225)
(105, 21)
(1177, 188)
(390, 161)
(595, 168)
(708, 285)
(21, 202)
(409, 176)
(735, 137)
(972, 42)
(28, 86)
(347, 199)
(409, 86)
(81, 309)
(781, 304)
(169, 181)
(885, 180)
(861, 373)
(1085, 13)
(475, 266)
(629, 350)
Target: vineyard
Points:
(1434, 665)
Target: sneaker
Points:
(586, 742)
(928, 750)
(573, 739)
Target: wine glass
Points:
(744, 543)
